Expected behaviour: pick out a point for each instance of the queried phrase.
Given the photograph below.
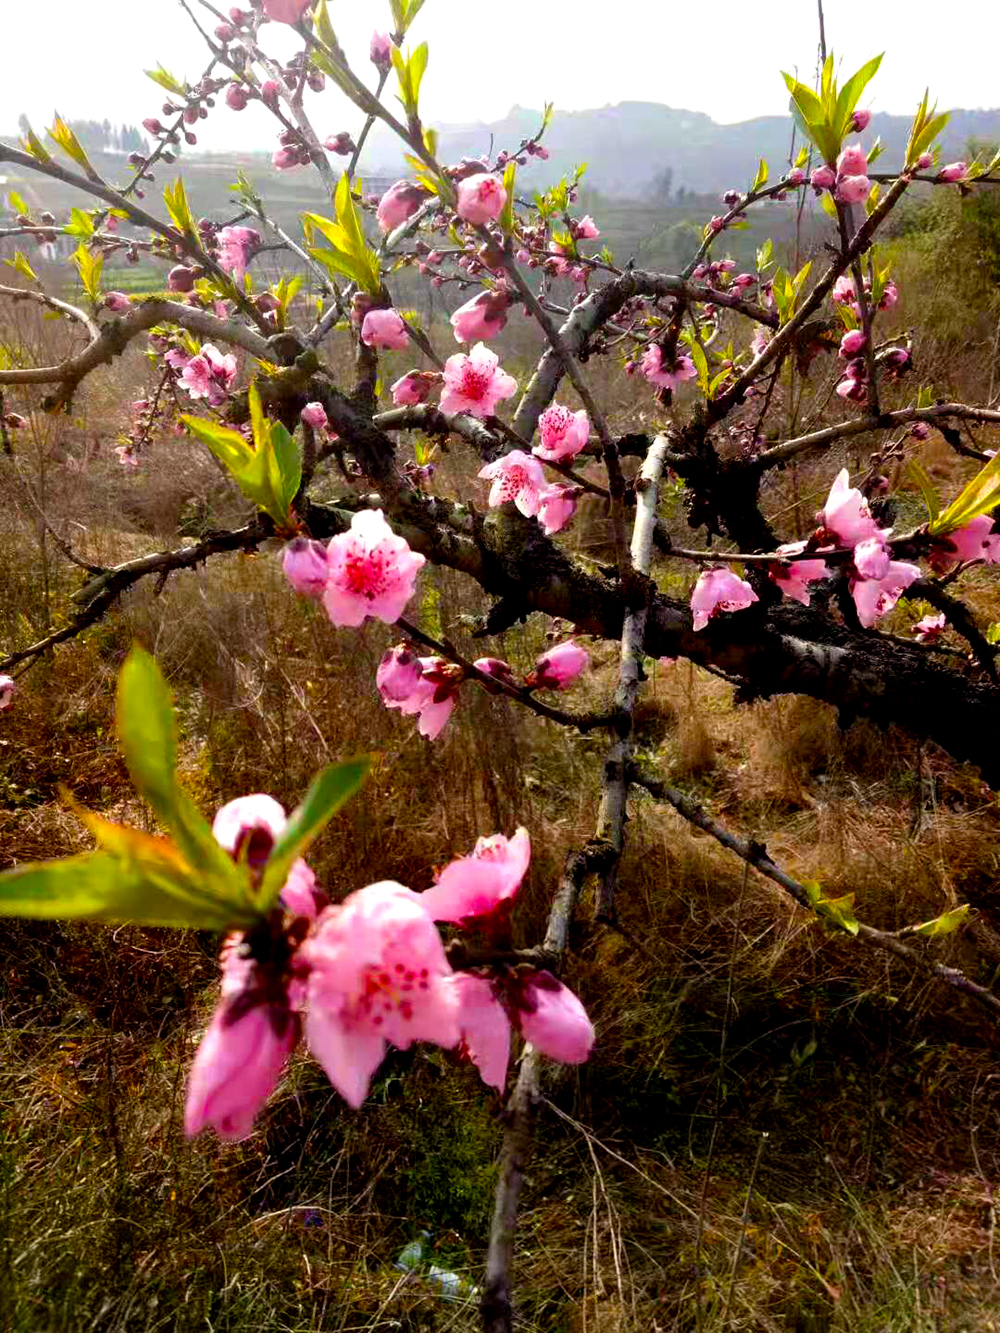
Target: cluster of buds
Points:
(428, 687)
(847, 179)
(293, 150)
(529, 148)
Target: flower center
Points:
(389, 991)
(475, 382)
(366, 573)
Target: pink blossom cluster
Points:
(665, 374)
(354, 977)
(365, 572)
(848, 180)
(209, 374)
(428, 687)
(236, 247)
(520, 477)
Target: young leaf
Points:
(63, 135)
(947, 923)
(17, 204)
(328, 791)
(33, 145)
(175, 198)
(701, 366)
(760, 180)
(97, 886)
(507, 216)
(980, 496)
(229, 446)
(89, 267)
(166, 80)
(20, 265)
(145, 723)
(927, 489)
(851, 92)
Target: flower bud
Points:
(237, 97)
(180, 279)
(314, 414)
(305, 566)
(823, 178)
(860, 121)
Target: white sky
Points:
(723, 59)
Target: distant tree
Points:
(662, 185)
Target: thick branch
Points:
(114, 336)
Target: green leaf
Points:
(33, 145)
(980, 496)
(701, 366)
(507, 215)
(827, 205)
(228, 445)
(20, 265)
(947, 923)
(89, 267)
(80, 224)
(328, 791)
(810, 117)
(17, 204)
(760, 180)
(993, 632)
(166, 80)
(145, 722)
(63, 135)
(932, 500)
(97, 886)
(175, 198)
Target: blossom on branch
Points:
(398, 203)
(975, 541)
(385, 328)
(846, 517)
(794, 576)
(209, 375)
(481, 198)
(475, 383)
(372, 572)
(562, 433)
(560, 667)
(415, 387)
(286, 11)
(516, 476)
(378, 974)
(556, 507)
(719, 590)
(306, 566)
(930, 628)
(662, 375)
(423, 686)
(237, 245)
(474, 886)
(7, 688)
(483, 317)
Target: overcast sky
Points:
(86, 59)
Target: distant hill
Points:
(630, 147)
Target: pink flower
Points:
(286, 11)
(794, 577)
(890, 295)
(126, 457)
(372, 572)
(380, 50)
(516, 476)
(552, 1018)
(719, 590)
(314, 414)
(874, 597)
(306, 566)
(853, 161)
(925, 160)
(860, 121)
(7, 688)
(846, 516)
(586, 229)
(301, 896)
(843, 291)
(852, 343)
(759, 342)
(560, 667)
(482, 317)
(481, 198)
(666, 377)
(341, 144)
(398, 203)
(180, 279)
(241, 1055)
(744, 280)
(378, 974)
(237, 97)
(823, 178)
(853, 189)
(563, 434)
(796, 176)
(398, 676)
(287, 157)
(118, 302)
(872, 558)
(475, 383)
(920, 430)
(497, 670)
(485, 1027)
(425, 686)
(236, 246)
(556, 507)
(474, 886)
(930, 628)
(546, 1013)
(209, 375)
(385, 328)
(976, 541)
(415, 387)
(955, 171)
(249, 825)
